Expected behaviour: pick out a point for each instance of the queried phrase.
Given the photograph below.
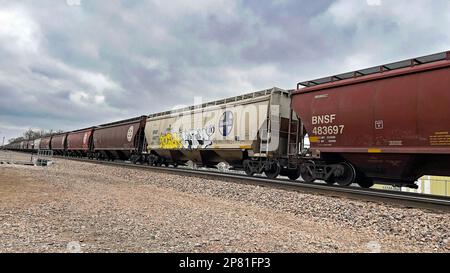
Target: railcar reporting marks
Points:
(324, 125)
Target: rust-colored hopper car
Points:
(388, 123)
(44, 143)
(58, 144)
(79, 143)
(120, 140)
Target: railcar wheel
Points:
(133, 159)
(307, 172)
(348, 176)
(248, 169)
(294, 174)
(274, 171)
(308, 177)
(248, 172)
(331, 180)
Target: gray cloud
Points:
(65, 66)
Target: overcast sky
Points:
(68, 64)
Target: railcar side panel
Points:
(120, 140)
(44, 143)
(58, 143)
(388, 126)
(225, 131)
(79, 143)
(120, 137)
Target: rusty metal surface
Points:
(45, 143)
(58, 142)
(415, 65)
(119, 136)
(79, 140)
(396, 114)
(388, 119)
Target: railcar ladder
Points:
(293, 135)
(264, 140)
(268, 135)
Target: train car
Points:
(23, 145)
(16, 146)
(79, 143)
(44, 143)
(248, 132)
(36, 144)
(120, 140)
(390, 123)
(30, 146)
(58, 144)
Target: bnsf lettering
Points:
(324, 119)
(324, 125)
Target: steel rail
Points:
(403, 199)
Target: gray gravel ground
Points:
(74, 206)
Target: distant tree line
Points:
(33, 134)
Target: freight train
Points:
(389, 124)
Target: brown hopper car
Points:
(58, 143)
(44, 144)
(79, 143)
(120, 140)
(390, 125)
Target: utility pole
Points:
(3, 143)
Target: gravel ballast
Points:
(81, 207)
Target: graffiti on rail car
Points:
(170, 141)
(189, 139)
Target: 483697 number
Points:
(328, 130)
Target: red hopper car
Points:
(388, 123)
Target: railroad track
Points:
(404, 199)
